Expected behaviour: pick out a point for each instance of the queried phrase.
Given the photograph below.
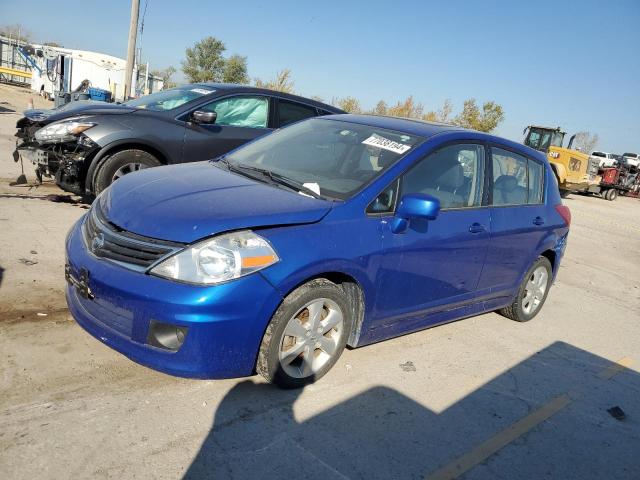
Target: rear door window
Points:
(290, 112)
(517, 180)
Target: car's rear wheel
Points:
(306, 335)
(122, 163)
(613, 194)
(532, 293)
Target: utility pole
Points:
(131, 50)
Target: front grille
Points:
(108, 241)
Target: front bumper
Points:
(225, 322)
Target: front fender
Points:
(109, 148)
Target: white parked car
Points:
(605, 159)
(632, 159)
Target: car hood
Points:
(73, 109)
(185, 203)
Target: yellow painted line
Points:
(483, 451)
(615, 368)
(503, 438)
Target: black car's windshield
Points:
(329, 157)
(170, 99)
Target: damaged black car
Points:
(88, 145)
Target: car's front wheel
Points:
(122, 163)
(532, 293)
(306, 335)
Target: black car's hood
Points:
(73, 109)
(185, 203)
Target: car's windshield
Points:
(170, 99)
(330, 157)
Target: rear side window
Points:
(292, 112)
(240, 111)
(535, 171)
(452, 174)
(516, 179)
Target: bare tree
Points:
(15, 32)
(585, 141)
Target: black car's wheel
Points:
(306, 335)
(532, 293)
(120, 164)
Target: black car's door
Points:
(240, 118)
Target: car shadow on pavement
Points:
(545, 417)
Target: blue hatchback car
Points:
(339, 230)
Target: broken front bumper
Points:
(67, 162)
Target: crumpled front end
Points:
(65, 161)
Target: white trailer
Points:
(63, 69)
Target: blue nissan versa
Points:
(339, 230)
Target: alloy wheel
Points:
(311, 338)
(128, 168)
(534, 290)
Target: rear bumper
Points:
(225, 322)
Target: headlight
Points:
(218, 259)
(62, 131)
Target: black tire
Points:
(268, 364)
(119, 160)
(516, 310)
(564, 193)
(613, 194)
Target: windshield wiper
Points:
(271, 177)
(294, 184)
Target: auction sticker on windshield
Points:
(381, 142)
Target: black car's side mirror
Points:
(414, 206)
(200, 116)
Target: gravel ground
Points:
(486, 397)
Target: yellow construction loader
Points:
(575, 170)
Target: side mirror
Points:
(200, 116)
(414, 206)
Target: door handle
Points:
(476, 228)
(538, 221)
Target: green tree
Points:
(166, 75)
(281, 83)
(204, 61)
(485, 121)
(235, 70)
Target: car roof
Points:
(411, 126)
(235, 88)
(426, 130)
